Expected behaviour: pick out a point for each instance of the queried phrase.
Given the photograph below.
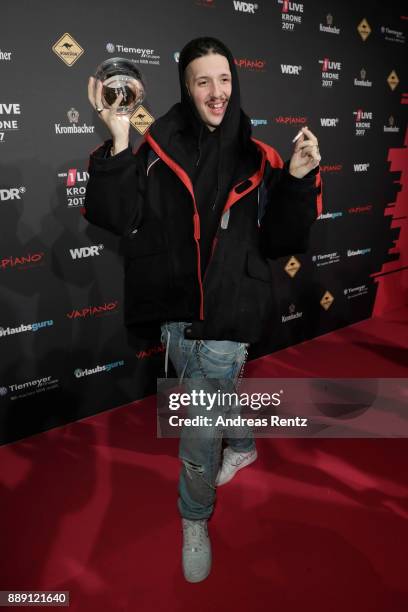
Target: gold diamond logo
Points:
(141, 119)
(292, 267)
(67, 49)
(364, 29)
(393, 80)
(327, 300)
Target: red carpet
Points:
(319, 525)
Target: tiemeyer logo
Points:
(355, 252)
(329, 28)
(290, 69)
(329, 121)
(12, 193)
(291, 120)
(392, 35)
(364, 29)
(143, 56)
(256, 122)
(362, 81)
(75, 182)
(94, 311)
(31, 387)
(291, 14)
(73, 118)
(327, 300)
(257, 65)
(363, 121)
(293, 314)
(141, 120)
(391, 127)
(325, 259)
(292, 267)
(29, 327)
(67, 49)
(245, 7)
(392, 80)
(107, 367)
(361, 167)
(352, 292)
(89, 251)
(360, 209)
(31, 260)
(5, 56)
(8, 124)
(330, 71)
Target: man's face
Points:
(208, 80)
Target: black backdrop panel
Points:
(339, 68)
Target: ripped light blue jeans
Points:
(200, 450)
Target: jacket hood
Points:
(229, 127)
(181, 129)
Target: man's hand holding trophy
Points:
(115, 92)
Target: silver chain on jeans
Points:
(200, 365)
(242, 368)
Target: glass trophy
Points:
(120, 75)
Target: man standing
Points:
(202, 208)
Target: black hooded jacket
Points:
(198, 237)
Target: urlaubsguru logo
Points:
(29, 327)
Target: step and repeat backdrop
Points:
(339, 68)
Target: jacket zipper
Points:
(227, 207)
(214, 244)
(185, 179)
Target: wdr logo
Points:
(245, 7)
(289, 69)
(361, 167)
(86, 251)
(329, 121)
(14, 193)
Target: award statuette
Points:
(120, 75)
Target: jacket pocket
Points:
(148, 274)
(258, 268)
(148, 285)
(144, 241)
(252, 303)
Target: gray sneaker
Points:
(196, 550)
(232, 462)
